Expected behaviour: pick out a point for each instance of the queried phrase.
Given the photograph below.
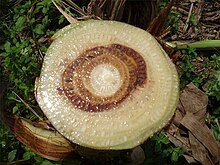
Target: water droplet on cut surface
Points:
(107, 142)
(125, 138)
(102, 134)
(83, 129)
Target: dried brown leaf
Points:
(137, 13)
(194, 101)
(189, 131)
(156, 25)
(189, 159)
(107, 9)
(203, 134)
(66, 15)
(180, 141)
(199, 151)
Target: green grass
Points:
(24, 32)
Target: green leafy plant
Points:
(204, 72)
(159, 150)
(188, 68)
(9, 145)
(25, 30)
(199, 69)
(23, 50)
(172, 20)
(192, 20)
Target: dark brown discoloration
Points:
(139, 61)
(130, 64)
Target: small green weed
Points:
(159, 150)
(172, 20)
(8, 146)
(192, 20)
(188, 68)
(173, 17)
(199, 69)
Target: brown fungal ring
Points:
(128, 62)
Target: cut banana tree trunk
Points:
(107, 85)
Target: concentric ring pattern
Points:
(90, 81)
(107, 85)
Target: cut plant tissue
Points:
(107, 85)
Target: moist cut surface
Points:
(107, 85)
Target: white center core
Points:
(105, 80)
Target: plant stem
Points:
(28, 106)
(206, 44)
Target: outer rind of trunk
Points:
(48, 144)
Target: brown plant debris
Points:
(157, 23)
(66, 15)
(189, 131)
(198, 20)
(137, 13)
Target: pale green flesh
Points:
(144, 112)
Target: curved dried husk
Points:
(46, 143)
(148, 108)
